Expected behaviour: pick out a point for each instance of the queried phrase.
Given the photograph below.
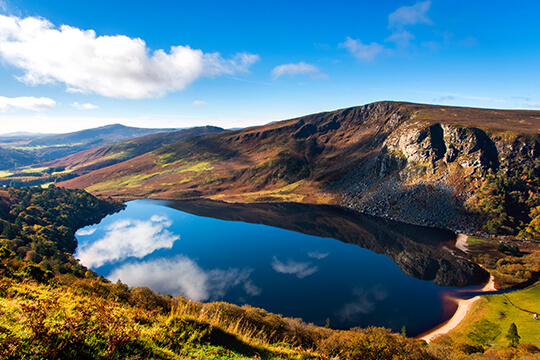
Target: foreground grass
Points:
(43, 321)
(73, 318)
(91, 319)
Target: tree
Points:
(512, 335)
(403, 331)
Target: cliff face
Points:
(432, 173)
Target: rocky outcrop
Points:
(425, 172)
(432, 146)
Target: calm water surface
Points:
(285, 272)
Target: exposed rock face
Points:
(440, 145)
(425, 172)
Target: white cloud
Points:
(26, 103)
(84, 106)
(84, 232)
(299, 269)
(199, 103)
(298, 69)
(128, 238)
(410, 15)
(114, 66)
(181, 275)
(3, 5)
(362, 51)
(317, 255)
(401, 38)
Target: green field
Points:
(490, 319)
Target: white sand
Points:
(461, 242)
(464, 306)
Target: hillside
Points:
(55, 146)
(85, 161)
(422, 164)
(10, 158)
(96, 158)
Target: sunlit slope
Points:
(96, 158)
(59, 145)
(374, 158)
(274, 157)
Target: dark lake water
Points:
(317, 266)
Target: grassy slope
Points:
(93, 320)
(491, 316)
(39, 320)
(260, 162)
(96, 158)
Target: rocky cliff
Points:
(433, 173)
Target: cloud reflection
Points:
(299, 269)
(364, 303)
(128, 238)
(317, 255)
(181, 275)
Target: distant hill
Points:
(23, 134)
(423, 164)
(96, 158)
(108, 133)
(10, 158)
(57, 146)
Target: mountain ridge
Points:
(384, 159)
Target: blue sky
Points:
(70, 65)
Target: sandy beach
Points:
(461, 242)
(464, 306)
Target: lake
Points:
(307, 261)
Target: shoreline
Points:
(463, 308)
(463, 305)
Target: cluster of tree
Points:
(38, 226)
(37, 178)
(509, 201)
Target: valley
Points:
(399, 179)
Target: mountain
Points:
(56, 146)
(23, 134)
(96, 158)
(11, 158)
(452, 167)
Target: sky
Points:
(72, 65)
